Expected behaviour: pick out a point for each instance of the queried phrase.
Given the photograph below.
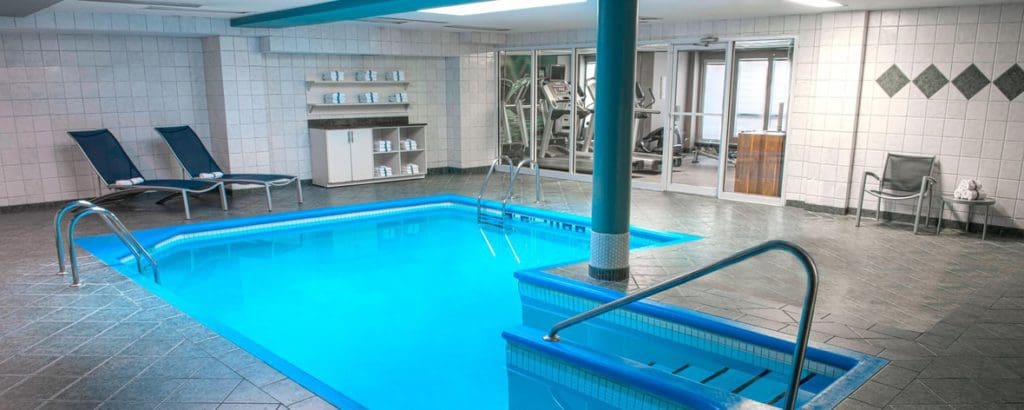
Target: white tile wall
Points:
(51, 83)
(472, 119)
(58, 77)
(979, 138)
(263, 120)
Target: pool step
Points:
(757, 387)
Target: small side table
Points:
(987, 203)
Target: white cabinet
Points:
(351, 156)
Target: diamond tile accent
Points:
(1011, 83)
(892, 80)
(971, 81)
(930, 81)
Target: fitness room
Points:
(725, 102)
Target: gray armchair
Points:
(905, 177)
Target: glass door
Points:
(650, 108)
(516, 108)
(696, 119)
(555, 133)
(585, 89)
(758, 133)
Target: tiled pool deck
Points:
(948, 311)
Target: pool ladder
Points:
(806, 315)
(482, 215)
(81, 209)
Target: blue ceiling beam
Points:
(338, 10)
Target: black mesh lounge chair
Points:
(904, 177)
(199, 164)
(117, 170)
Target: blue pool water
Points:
(398, 305)
(413, 301)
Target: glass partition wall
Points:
(697, 117)
(710, 117)
(555, 105)
(515, 99)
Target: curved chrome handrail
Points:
(120, 231)
(512, 183)
(806, 315)
(58, 220)
(487, 179)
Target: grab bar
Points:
(512, 182)
(58, 220)
(806, 315)
(487, 179)
(120, 231)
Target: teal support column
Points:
(613, 138)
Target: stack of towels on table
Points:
(333, 76)
(408, 144)
(397, 75)
(381, 146)
(398, 97)
(334, 98)
(370, 97)
(968, 190)
(382, 171)
(129, 182)
(366, 75)
(411, 169)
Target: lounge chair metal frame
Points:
(243, 179)
(122, 191)
(890, 187)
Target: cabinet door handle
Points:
(350, 137)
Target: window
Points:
(762, 90)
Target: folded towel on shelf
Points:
(129, 182)
(412, 169)
(334, 98)
(369, 97)
(382, 146)
(366, 75)
(210, 175)
(409, 144)
(398, 97)
(382, 171)
(397, 75)
(333, 76)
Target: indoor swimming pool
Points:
(404, 304)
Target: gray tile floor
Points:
(948, 311)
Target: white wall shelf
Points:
(321, 83)
(313, 106)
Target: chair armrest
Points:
(871, 174)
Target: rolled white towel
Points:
(210, 175)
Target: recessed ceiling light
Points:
(823, 4)
(496, 6)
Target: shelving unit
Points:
(316, 88)
(349, 156)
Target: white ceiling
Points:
(541, 19)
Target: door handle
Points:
(350, 137)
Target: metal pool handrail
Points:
(810, 295)
(120, 231)
(58, 220)
(512, 182)
(487, 179)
